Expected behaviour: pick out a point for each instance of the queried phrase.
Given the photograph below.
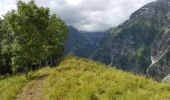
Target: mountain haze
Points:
(82, 43)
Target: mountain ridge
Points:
(82, 79)
(82, 43)
(140, 45)
(144, 36)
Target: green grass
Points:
(82, 79)
(9, 87)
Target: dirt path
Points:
(33, 90)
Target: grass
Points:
(9, 87)
(82, 79)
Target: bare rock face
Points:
(145, 35)
(167, 79)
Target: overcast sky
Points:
(86, 15)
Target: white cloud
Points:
(87, 15)
(74, 2)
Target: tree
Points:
(5, 55)
(36, 36)
(1, 60)
(57, 34)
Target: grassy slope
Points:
(9, 87)
(82, 79)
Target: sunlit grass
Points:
(81, 79)
(9, 87)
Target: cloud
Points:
(87, 15)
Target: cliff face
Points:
(142, 43)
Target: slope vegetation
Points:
(140, 41)
(9, 87)
(82, 79)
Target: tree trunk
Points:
(27, 76)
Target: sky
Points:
(86, 15)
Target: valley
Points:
(46, 56)
(140, 45)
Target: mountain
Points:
(142, 43)
(81, 79)
(93, 37)
(82, 43)
(77, 43)
(167, 79)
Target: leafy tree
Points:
(57, 33)
(35, 35)
(1, 61)
(5, 55)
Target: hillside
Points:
(77, 43)
(82, 79)
(142, 43)
(82, 43)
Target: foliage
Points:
(32, 36)
(4, 56)
(1, 63)
(56, 45)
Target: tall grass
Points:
(81, 79)
(11, 86)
